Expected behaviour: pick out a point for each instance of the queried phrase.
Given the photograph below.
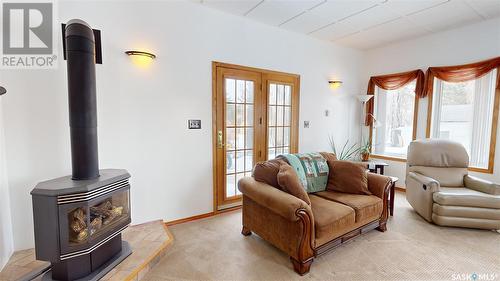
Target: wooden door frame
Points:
(267, 75)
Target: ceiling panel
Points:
(239, 7)
(406, 7)
(334, 31)
(448, 15)
(361, 24)
(486, 8)
(277, 12)
(371, 17)
(399, 29)
(327, 13)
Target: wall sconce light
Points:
(141, 58)
(334, 84)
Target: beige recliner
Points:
(439, 188)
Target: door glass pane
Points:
(272, 94)
(249, 92)
(230, 88)
(279, 120)
(230, 114)
(239, 132)
(240, 161)
(249, 115)
(230, 185)
(240, 91)
(288, 95)
(240, 115)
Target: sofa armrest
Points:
(481, 185)
(427, 183)
(277, 201)
(378, 184)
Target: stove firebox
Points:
(78, 219)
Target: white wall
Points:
(6, 239)
(142, 113)
(459, 46)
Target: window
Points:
(463, 112)
(394, 111)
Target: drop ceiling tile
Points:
(449, 15)
(371, 17)
(327, 13)
(334, 31)
(486, 8)
(399, 29)
(360, 40)
(406, 7)
(277, 12)
(239, 7)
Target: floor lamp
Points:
(363, 99)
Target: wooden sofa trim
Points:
(306, 247)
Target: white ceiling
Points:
(361, 24)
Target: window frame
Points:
(494, 123)
(414, 136)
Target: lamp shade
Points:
(364, 98)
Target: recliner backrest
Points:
(443, 160)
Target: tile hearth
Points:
(149, 242)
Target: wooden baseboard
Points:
(201, 216)
(400, 189)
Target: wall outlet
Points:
(194, 124)
(306, 124)
(327, 112)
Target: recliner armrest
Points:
(481, 185)
(277, 201)
(428, 183)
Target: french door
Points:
(255, 119)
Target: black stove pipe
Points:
(80, 54)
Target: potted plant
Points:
(365, 150)
(348, 151)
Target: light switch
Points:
(194, 124)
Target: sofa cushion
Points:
(289, 182)
(348, 177)
(330, 218)
(366, 207)
(456, 196)
(267, 171)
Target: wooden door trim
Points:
(276, 76)
(216, 64)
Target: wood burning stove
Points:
(78, 219)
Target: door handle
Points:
(220, 143)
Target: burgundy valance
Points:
(392, 82)
(461, 73)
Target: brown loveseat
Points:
(305, 231)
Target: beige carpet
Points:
(411, 249)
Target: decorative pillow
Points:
(311, 168)
(267, 171)
(329, 156)
(348, 177)
(290, 183)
